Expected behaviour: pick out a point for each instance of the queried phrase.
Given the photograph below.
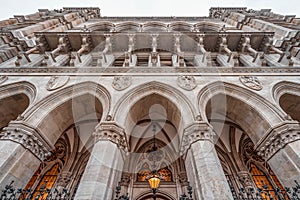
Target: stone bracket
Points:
(277, 138)
(110, 131)
(197, 131)
(28, 137)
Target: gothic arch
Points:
(15, 98)
(284, 87)
(22, 87)
(287, 96)
(181, 102)
(251, 111)
(160, 194)
(67, 106)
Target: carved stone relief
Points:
(3, 79)
(121, 82)
(251, 82)
(186, 82)
(57, 82)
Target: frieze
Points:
(83, 71)
(186, 82)
(277, 139)
(28, 138)
(121, 82)
(195, 132)
(57, 82)
(251, 82)
(3, 79)
(110, 131)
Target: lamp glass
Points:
(154, 182)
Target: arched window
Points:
(262, 175)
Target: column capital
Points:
(30, 138)
(277, 138)
(199, 130)
(110, 131)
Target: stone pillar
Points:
(105, 165)
(203, 167)
(21, 152)
(281, 148)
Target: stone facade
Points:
(88, 103)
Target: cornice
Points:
(96, 71)
(277, 138)
(28, 137)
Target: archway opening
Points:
(153, 122)
(291, 105)
(69, 126)
(241, 164)
(11, 107)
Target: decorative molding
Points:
(121, 82)
(110, 131)
(187, 82)
(197, 131)
(251, 82)
(28, 137)
(277, 138)
(83, 71)
(3, 79)
(57, 82)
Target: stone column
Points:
(281, 148)
(21, 152)
(203, 167)
(105, 165)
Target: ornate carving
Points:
(186, 82)
(183, 179)
(245, 179)
(64, 178)
(125, 179)
(251, 82)
(195, 132)
(3, 79)
(121, 82)
(28, 138)
(57, 82)
(137, 70)
(110, 131)
(277, 138)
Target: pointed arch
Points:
(160, 194)
(67, 106)
(185, 107)
(251, 111)
(285, 87)
(287, 96)
(15, 98)
(22, 87)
